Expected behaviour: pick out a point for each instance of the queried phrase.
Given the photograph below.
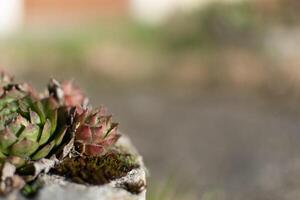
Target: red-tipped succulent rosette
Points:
(67, 93)
(73, 96)
(95, 132)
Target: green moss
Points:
(96, 170)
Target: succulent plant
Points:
(67, 93)
(95, 132)
(36, 126)
(28, 125)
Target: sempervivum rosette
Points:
(95, 132)
(28, 125)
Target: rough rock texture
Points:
(130, 187)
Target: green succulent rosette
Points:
(28, 125)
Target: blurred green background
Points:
(209, 94)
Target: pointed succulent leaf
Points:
(84, 134)
(34, 117)
(80, 118)
(24, 105)
(93, 149)
(16, 161)
(93, 120)
(24, 148)
(15, 123)
(46, 133)
(49, 104)
(42, 153)
(110, 140)
(53, 120)
(60, 135)
(112, 128)
(106, 123)
(21, 120)
(108, 119)
(7, 138)
(14, 127)
(38, 107)
(97, 135)
(31, 132)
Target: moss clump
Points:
(96, 170)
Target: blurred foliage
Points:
(215, 46)
(216, 25)
(284, 12)
(229, 24)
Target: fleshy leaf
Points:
(110, 140)
(84, 133)
(24, 148)
(53, 120)
(16, 161)
(15, 127)
(42, 153)
(38, 107)
(93, 149)
(7, 138)
(46, 133)
(31, 132)
(60, 135)
(34, 117)
(112, 128)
